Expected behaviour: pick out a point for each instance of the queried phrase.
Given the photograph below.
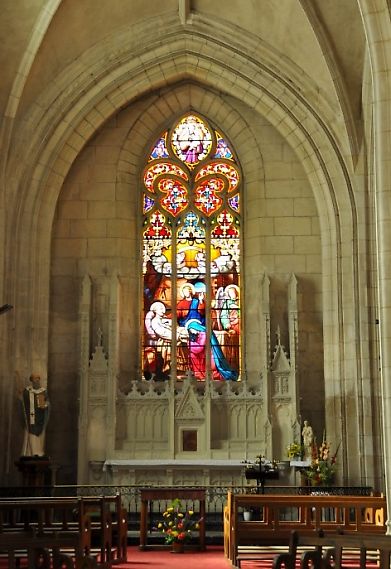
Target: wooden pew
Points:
(40, 513)
(64, 515)
(331, 550)
(114, 531)
(49, 546)
(120, 536)
(98, 508)
(278, 515)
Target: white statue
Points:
(308, 439)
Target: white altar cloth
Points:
(172, 463)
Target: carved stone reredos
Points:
(188, 404)
(99, 362)
(227, 390)
(280, 361)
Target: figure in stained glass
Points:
(191, 140)
(230, 308)
(152, 281)
(148, 204)
(220, 368)
(234, 202)
(201, 261)
(192, 303)
(160, 150)
(227, 321)
(191, 260)
(222, 149)
(159, 334)
(186, 293)
(197, 348)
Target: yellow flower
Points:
(160, 525)
(180, 515)
(191, 512)
(170, 523)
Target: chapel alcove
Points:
(96, 286)
(85, 95)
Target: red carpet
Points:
(212, 558)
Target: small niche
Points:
(189, 440)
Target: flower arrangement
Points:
(321, 471)
(295, 451)
(177, 525)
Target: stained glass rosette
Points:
(175, 198)
(161, 169)
(229, 171)
(206, 197)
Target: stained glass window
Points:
(191, 255)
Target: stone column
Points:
(84, 319)
(377, 24)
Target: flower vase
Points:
(316, 482)
(177, 547)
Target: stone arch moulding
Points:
(85, 111)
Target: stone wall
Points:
(96, 232)
(65, 96)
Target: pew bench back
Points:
(275, 516)
(58, 549)
(43, 516)
(334, 551)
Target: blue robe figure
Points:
(195, 329)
